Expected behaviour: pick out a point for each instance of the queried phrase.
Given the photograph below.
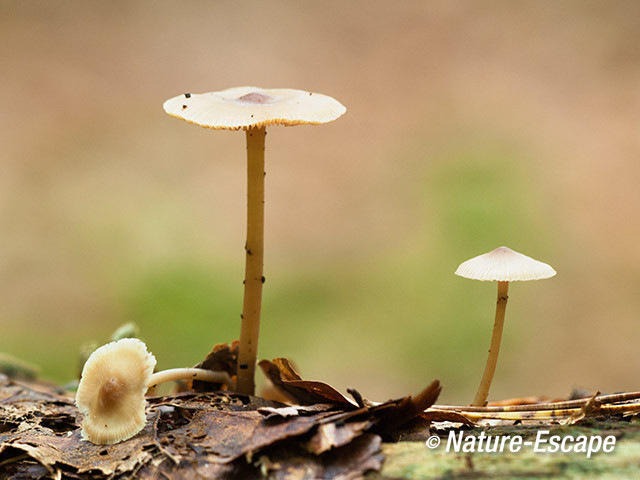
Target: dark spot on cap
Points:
(263, 279)
(184, 106)
(187, 95)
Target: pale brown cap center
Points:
(256, 97)
(111, 393)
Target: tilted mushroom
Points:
(252, 109)
(114, 381)
(502, 265)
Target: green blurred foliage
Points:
(404, 312)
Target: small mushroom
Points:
(252, 109)
(114, 381)
(502, 265)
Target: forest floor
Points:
(205, 435)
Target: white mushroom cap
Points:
(504, 265)
(251, 107)
(111, 391)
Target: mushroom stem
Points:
(480, 399)
(187, 374)
(252, 304)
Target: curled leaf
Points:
(283, 376)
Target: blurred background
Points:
(470, 125)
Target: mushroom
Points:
(502, 265)
(114, 381)
(252, 109)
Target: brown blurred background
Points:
(470, 125)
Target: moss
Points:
(412, 460)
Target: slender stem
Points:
(188, 374)
(480, 399)
(253, 280)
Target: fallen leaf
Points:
(349, 462)
(294, 410)
(396, 413)
(284, 377)
(337, 434)
(223, 358)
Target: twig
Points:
(548, 414)
(601, 399)
(590, 407)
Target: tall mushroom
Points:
(114, 381)
(252, 109)
(502, 265)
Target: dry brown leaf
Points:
(349, 462)
(223, 358)
(294, 410)
(283, 376)
(337, 434)
(226, 436)
(389, 415)
(396, 413)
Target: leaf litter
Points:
(202, 434)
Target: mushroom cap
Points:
(504, 265)
(111, 391)
(252, 107)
